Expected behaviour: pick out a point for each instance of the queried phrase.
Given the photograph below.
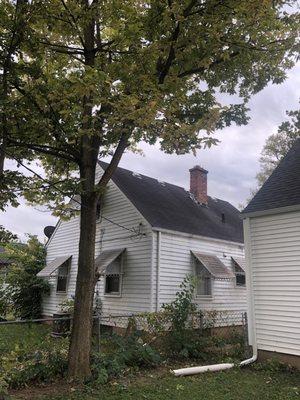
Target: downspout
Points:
(158, 270)
(251, 319)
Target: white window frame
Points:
(197, 266)
(119, 293)
(68, 263)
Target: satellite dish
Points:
(48, 231)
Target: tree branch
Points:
(163, 68)
(122, 145)
(44, 149)
(198, 70)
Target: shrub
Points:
(128, 352)
(20, 367)
(25, 290)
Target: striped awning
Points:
(106, 258)
(241, 262)
(52, 266)
(214, 265)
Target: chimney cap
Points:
(198, 168)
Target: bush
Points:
(128, 352)
(20, 367)
(25, 290)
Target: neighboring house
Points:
(272, 240)
(150, 235)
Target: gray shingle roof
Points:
(169, 206)
(282, 189)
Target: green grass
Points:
(235, 384)
(29, 337)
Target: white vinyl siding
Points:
(176, 262)
(136, 288)
(275, 260)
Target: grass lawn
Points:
(24, 336)
(236, 384)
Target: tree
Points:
(6, 236)
(91, 78)
(25, 290)
(277, 145)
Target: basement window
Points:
(63, 277)
(113, 277)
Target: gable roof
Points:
(282, 188)
(171, 207)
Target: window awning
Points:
(52, 266)
(106, 258)
(214, 265)
(241, 262)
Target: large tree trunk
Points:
(80, 346)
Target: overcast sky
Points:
(232, 165)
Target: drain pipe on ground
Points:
(252, 330)
(214, 367)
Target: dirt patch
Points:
(61, 387)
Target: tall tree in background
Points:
(89, 79)
(6, 236)
(277, 145)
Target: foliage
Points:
(129, 352)
(85, 79)
(183, 305)
(4, 301)
(25, 290)
(67, 306)
(273, 365)
(277, 146)
(29, 354)
(6, 236)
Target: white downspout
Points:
(158, 270)
(251, 319)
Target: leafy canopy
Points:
(277, 146)
(107, 75)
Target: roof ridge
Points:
(167, 183)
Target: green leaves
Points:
(151, 69)
(25, 289)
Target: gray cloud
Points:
(232, 164)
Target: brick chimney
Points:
(198, 184)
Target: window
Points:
(113, 277)
(62, 277)
(204, 281)
(240, 277)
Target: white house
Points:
(150, 235)
(272, 240)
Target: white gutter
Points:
(251, 319)
(158, 269)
